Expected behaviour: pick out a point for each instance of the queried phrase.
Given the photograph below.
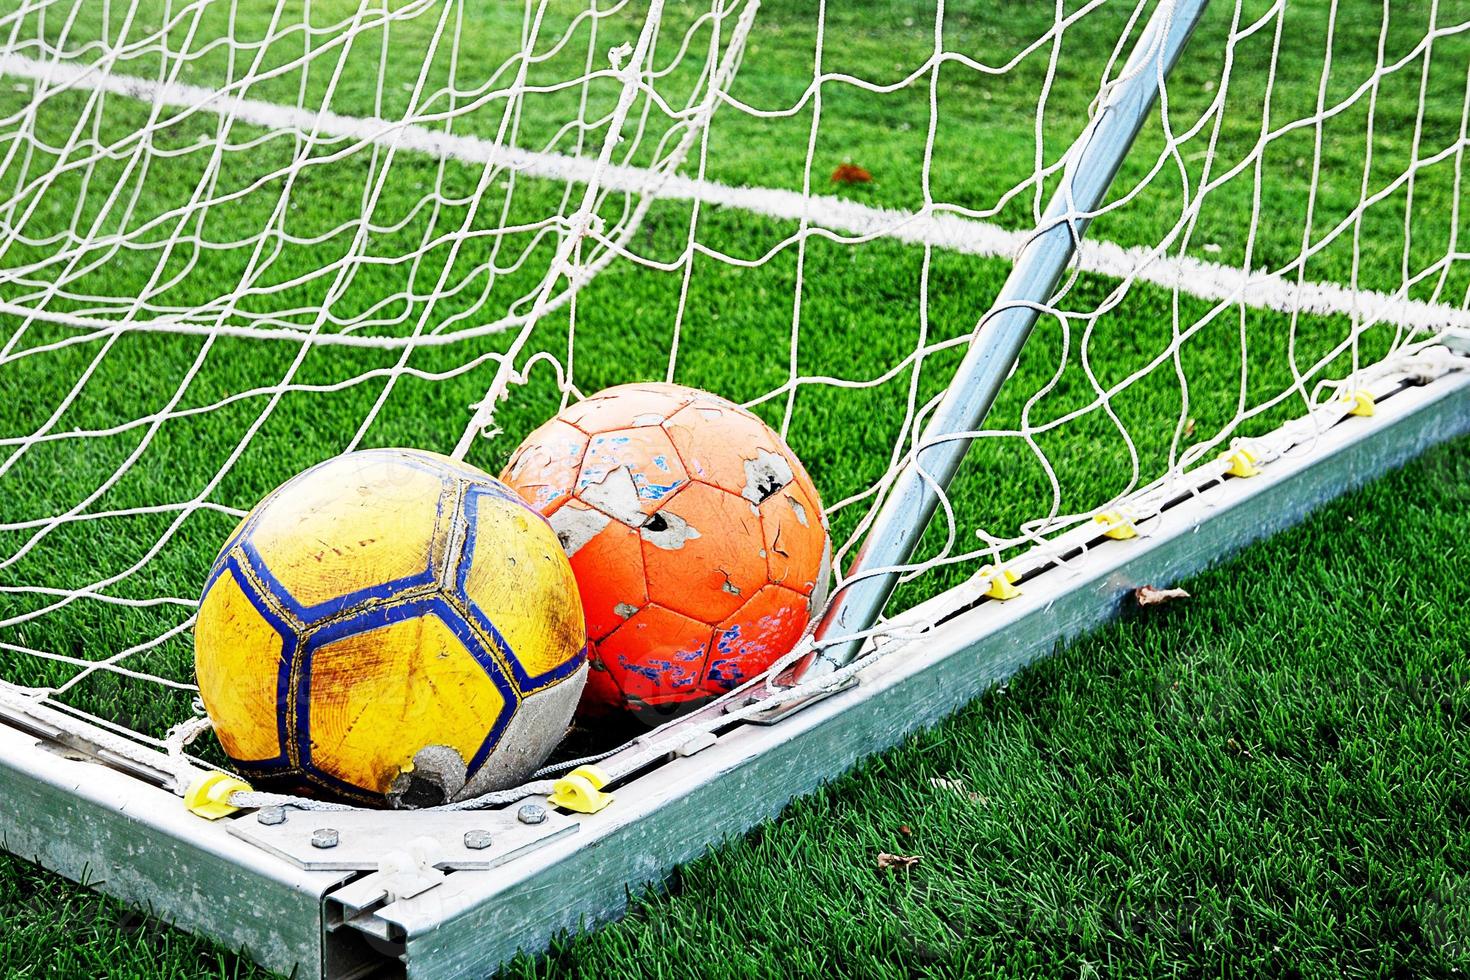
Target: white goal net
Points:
(241, 238)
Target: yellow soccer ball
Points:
(392, 627)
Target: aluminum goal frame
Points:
(455, 894)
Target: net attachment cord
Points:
(213, 793)
(775, 689)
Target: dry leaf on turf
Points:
(896, 862)
(1149, 596)
(851, 173)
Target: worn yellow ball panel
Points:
(386, 613)
(519, 578)
(379, 696)
(239, 662)
(351, 523)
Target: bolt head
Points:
(531, 813)
(477, 840)
(324, 838)
(271, 816)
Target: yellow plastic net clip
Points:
(1116, 525)
(209, 795)
(1361, 401)
(1242, 463)
(1000, 583)
(581, 790)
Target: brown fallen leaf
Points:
(906, 830)
(1147, 595)
(851, 173)
(896, 862)
(1188, 428)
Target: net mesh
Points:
(240, 240)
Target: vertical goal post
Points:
(1091, 164)
(413, 223)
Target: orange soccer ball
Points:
(697, 539)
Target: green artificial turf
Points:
(1267, 778)
(860, 304)
(859, 318)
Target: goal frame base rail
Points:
(132, 839)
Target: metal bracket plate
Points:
(774, 715)
(365, 839)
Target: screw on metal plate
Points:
(272, 816)
(324, 838)
(531, 813)
(477, 840)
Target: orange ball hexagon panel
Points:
(795, 557)
(627, 406)
(732, 541)
(607, 558)
(657, 656)
(629, 473)
(545, 470)
(753, 636)
(704, 553)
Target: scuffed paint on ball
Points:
(697, 538)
